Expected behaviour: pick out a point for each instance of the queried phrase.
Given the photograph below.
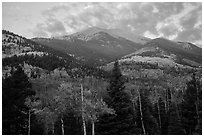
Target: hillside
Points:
(62, 74)
(93, 46)
(113, 32)
(182, 50)
(161, 60)
(101, 68)
(19, 50)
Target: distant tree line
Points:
(50, 62)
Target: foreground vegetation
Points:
(89, 105)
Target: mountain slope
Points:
(160, 57)
(93, 46)
(182, 51)
(87, 33)
(17, 50)
(130, 36)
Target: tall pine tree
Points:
(174, 126)
(16, 89)
(122, 123)
(191, 107)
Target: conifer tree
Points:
(174, 126)
(190, 106)
(122, 123)
(16, 89)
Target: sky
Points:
(175, 21)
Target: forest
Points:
(91, 105)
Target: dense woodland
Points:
(51, 62)
(92, 104)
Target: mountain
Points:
(130, 36)
(161, 75)
(169, 52)
(161, 58)
(94, 46)
(90, 32)
(190, 46)
(182, 50)
(83, 52)
(97, 46)
(38, 58)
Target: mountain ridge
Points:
(113, 32)
(95, 46)
(43, 57)
(100, 47)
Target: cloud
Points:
(191, 35)
(54, 26)
(198, 43)
(155, 9)
(80, 16)
(169, 31)
(192, 24)
(150, 35)
(198, 24)
(171, 26)
(40, 33)
(169, 20)
(51, 27)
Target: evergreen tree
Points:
(167, 103)
(121, 123)
(145, 120)
(16, 89)
(198, 129)
(190, 106)
(174, 126)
